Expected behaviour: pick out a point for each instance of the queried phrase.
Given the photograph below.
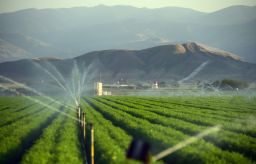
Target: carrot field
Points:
(34, 133)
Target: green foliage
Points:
(21, 126)
(111, 141)
(39, 135)
(160, 133)
(225, 139)
(58, 144)
(17, 135)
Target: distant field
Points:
(32, 133)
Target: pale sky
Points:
(200, 5)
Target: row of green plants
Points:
(162, 137)
(232, 125)
(221, 114)
(10, 100)
(54, 138)
(225, 139)
(15, 120)
(24, 111)
(8, 104)
(59, 143)
(241, 122)
(41, 150)
(111, 142)
(14, 138)
(233, 103)
(238, 119)
(133, 102)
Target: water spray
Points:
(68, 89)
(186, 143)
(77, 81)
(39, 102)
(195, 72)
(140, 150)
(73, 87)
(34, 91)
(64, 87)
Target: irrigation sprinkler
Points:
(139, 150)
(185, 143)
(92, 143)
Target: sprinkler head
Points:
(139, 150)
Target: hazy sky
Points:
(201, 5)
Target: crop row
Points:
(225, 139)
(232, 125)
(22, 112)
(229, 103)
(16, 137)
(59, 143)
(210, 111)
(161, 137)
(223, 116)
(145, 104)
(8, 104)
(111, 141)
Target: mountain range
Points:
(187, 62)
(71, 32)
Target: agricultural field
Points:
(32, 132)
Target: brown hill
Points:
(179, 62)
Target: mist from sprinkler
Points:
(34, 91)
(195, 72)
(63, 86)
(186, 143)
(73, 86)
(40, 102)
(77, 80)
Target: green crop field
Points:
(31, 132)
